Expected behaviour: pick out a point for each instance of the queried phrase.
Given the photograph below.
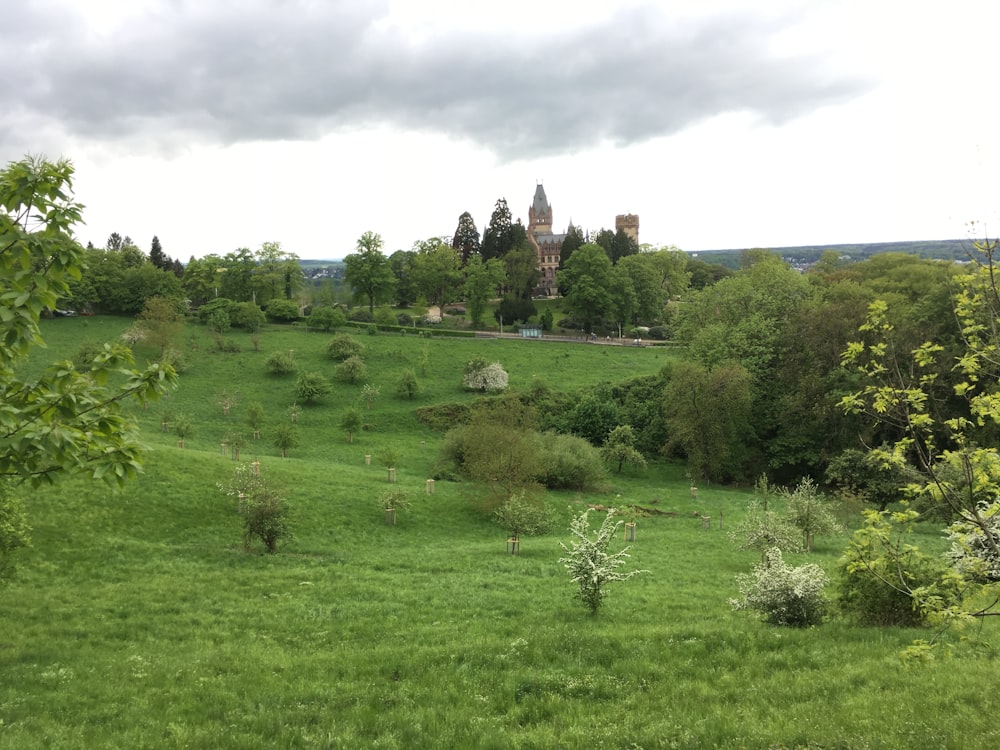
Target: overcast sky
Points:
(219, 124)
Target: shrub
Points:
(519, 515)
(394, 498)
(763, 528)
(265, 517)
(281, 363)
(350, 423)
(588, 562)
(404, 319)
(880, 571)
(219, 321)
(311, 386)
(351, 370)
(344, 345)
(361, 315)
(408, 387)
(370, 394)
(443, 416)
(283, 310)
(810, 512)
(514, 309)
(784, 595)
(571, 463)
(227, 306)
(452, 456)
(385, 317)
(490, 378)
(285, 437)
(247, 315)
(972, 553)
(255, 415)
(326, 318)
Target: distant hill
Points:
(799, 257)
(806, 255)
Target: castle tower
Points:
(629, 224)
(545, 244)
(540, 213)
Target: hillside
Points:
(805, 255)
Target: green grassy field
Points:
(137, 619)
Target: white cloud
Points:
(219, 125)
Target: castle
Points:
(547, 245)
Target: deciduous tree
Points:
(368, 272)
(588, 277)
(482, 280)
(436, 270)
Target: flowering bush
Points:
(974, 545)
(489, 378)
(588, 560)
(785, 596)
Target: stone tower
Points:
(629, 224)
(540, 213)
(545, 244)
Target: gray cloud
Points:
(299, 69)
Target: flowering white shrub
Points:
(972, 552)
(784, 595)
(487, 378)
(133, 335)
(589, 563)
(432, 319)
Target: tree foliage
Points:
(619, 449)
(943, 411)
(587, 275)
(368, 271)
(67, 420)
(809, 511)
(466, 240)
(708, 417)
(311, 387)
(436, 270)
(498, 239)
(521, 515)
(482, 280)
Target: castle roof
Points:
(540, 203)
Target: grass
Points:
(137, 620)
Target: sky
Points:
(724, 124)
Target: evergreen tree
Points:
(157, 257)
(574, 241)
(466, 240)
(498, 238)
